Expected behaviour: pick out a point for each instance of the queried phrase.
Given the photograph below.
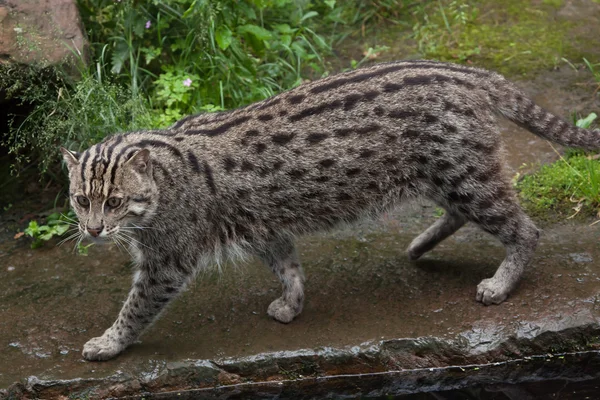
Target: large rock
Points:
(40, 31)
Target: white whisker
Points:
(119, 242)
(77, 243)
(74, 235)
(134, 240)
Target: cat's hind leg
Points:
(519, 236)
(494, 208)
(281, 256)
(440, 230)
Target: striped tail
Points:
(512, 103)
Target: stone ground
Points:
(374, 323)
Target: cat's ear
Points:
(70, 157)
(140, 161)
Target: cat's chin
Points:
(98, 240)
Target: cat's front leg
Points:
(152, 289)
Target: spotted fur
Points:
(330, 151)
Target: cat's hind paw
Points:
(101, 348)
(489, 291)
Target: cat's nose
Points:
(95, 231)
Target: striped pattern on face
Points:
(115, 178)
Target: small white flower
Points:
(187, 82)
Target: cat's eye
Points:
(83, 201)
(114, 202)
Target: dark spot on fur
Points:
(436, 139)
(402, 114)
(379, 111)
(229, 164)
(430, 119)
(351, 100)
(194, 161)
(282, 139)
(391, 87)
(277, 165)
(242, 193)
(296, 99)
(269, 103)
(274, 188)
(342, 132)
(178, 139)
(252, 132)
(353, 171)
(328, 162)
(362, 130)
(449, 128)
(260, 147)
(411, 133)
(373, 186)
(390, 160)
(443, 165)
(316, 137)
(315, 110)
(366, 153)
(371, 95)
(247, 166)
(220, 129)
(283, 113)
(297, 173)
(322, 179)
(343, 196)
(210, 181)
(265, 117)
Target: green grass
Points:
(567, 187)
(71, 113)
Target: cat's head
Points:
(112, 192)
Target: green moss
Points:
(512, 37)
(563, 186)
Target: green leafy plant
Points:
(188, 56)
(154, 61)
(56, 225)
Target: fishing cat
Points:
(329, 151)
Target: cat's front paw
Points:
(282, 311)
(491, 291)
(101, 348)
